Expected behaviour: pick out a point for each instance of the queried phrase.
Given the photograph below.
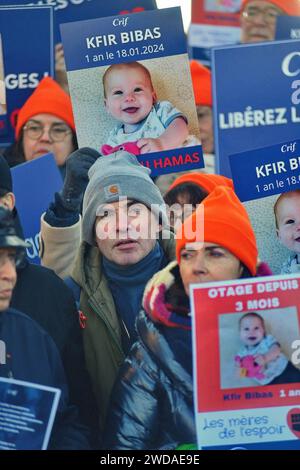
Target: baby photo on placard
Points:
(246, 356)
(131, 89)
(267, 181)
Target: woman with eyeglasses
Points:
(45, 124)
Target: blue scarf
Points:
(127, 285)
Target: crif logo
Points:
(2, 353)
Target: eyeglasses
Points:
(15, 258)
(269, 15)
(57, 132)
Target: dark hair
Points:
(193, 193)
(246, 273)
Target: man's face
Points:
(8, 276)
(126, 231)
(258, 21)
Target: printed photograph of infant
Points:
(140, 106)
(256, 348)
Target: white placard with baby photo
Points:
(246, 349)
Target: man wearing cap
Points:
(44, 297)
(258, 18)
(118, 255)
(31, 354)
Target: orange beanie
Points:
(290, 7)
(226, 223)
(50, 98)
(201, 78)
(206, 181)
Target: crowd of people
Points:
(106, 318)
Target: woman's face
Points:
(51, 128)
(208, 264)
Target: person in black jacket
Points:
(42, 295)
(152, 404)
(31, 354)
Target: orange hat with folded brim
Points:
(205, 181)
(226, 223)
(49, 98)
(290, 7)
(201, 79)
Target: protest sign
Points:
(255, 99)
(34, 185)
(246, 362)
(27, 46)
(267, 181)
(27, 413)
(131, 89)
(214, 23)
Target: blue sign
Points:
(27, 413)
(256, 98)
(266, 171)
(27, 45)
(288, 27)
(76, 10)
(139, 36)
(34, 185)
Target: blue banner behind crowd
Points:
(34, 184)
(288, 27)
(27, 46)
(76, 10)
(256, 99)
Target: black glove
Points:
(76, 179)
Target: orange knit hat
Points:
(290, 7)
(50, 98)
(201, 78)
(226, 223)
(205, 181)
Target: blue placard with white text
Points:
(288, 27)
(27, 413)
(267, 171)
(27, 47)
(34, 185)
(77, 10)
(256, 99)
(130, 85)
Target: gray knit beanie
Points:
(113, 177)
